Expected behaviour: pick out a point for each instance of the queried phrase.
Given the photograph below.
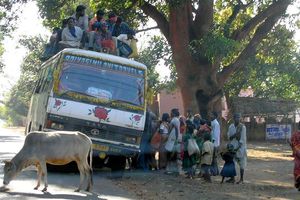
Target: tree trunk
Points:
(199, 88)
(196, 77)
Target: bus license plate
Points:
(100, 147)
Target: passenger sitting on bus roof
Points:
(58, 36)
(121, 27)
(111, 21)
(71, 35)
(50, 46)
(82, 21)
(54, 35)
(104, 39)
(125, 35)
(94, 25)
(64, 24)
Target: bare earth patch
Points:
(269, 175)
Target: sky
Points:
(30, 24)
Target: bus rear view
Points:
(98, 94)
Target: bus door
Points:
(37, 113)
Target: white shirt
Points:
(242, 151)
(215, 132)
(164, 128)
(82, 22)
(176, 123)
(69, 39)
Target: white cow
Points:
(56, 148)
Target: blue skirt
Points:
(228, 169)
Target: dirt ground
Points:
(269, 175)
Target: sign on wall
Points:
(278, 131)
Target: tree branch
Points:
(204, 18)
(159, 17)
(236, 10)
(146, 29)
(277, 6)
(250, 49)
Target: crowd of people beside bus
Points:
(191, 146)
(104, 32)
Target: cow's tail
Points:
(91, 156)
(91, 164)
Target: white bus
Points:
(99, 94)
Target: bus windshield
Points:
(115, 83)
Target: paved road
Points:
(61, 186)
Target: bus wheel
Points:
(98, 162)
(117, 166)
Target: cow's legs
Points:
(81, 171)
(90, 180)
(39, 176)
(88, 174)
(44, 174)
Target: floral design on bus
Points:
(101, 113)
(135, 119)
(58, 104)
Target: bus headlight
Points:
(130, 139)
(57, 126)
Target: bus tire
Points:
(117, 166)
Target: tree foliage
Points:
(8, 17)
(273, 71)
(17, 102)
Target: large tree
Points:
(202, 76)
(210, 40)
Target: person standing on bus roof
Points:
(71, 35)
(80, 18)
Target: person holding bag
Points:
(174, 141)
(189, 160)
(163, 131)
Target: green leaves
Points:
(157, 51)
(214, 46)
(274, 72)
(19, 97)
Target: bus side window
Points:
(47, 77)
(38, 86)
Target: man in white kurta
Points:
(237, 137)
(215, 133)
(71, 35)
